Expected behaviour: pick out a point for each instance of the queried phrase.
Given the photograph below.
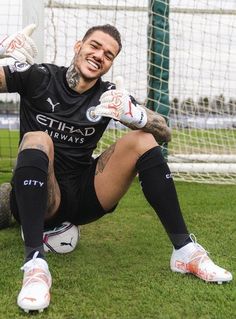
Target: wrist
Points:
(7, 61)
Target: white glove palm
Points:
(19, 46)
(117, 104)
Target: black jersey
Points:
(48, 104)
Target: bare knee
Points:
(139, 141)
(37, 140)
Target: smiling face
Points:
(94, 56)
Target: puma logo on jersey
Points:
(49, 100)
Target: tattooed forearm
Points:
(104, 158)
(72, 76)
(3, 85)
(156, 125)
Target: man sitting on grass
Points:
(63, 114)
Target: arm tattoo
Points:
(72, 75)
(156, 125)
(3, 85)
(104, 158)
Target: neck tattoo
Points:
(72, 76)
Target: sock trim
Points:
(28, 158)
(146, 162)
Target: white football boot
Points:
(35, 291)
(194, 259)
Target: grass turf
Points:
(120, 269)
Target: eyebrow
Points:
(99, 44)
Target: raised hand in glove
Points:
(19, 46)
(117, 104)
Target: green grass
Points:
(120, 269)
(203, 141)
(8, 150)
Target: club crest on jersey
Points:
(19, 67)
(90, 116)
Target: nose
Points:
(99, 55)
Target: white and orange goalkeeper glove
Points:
(19, 46)
(117, 104)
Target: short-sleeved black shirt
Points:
(48, 104)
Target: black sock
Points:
(31, 255)
(159, 190)
(30, 187)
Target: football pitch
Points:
(120, 268)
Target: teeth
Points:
(93, 64)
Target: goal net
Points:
(202, 90)
(201, 72)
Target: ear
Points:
(77, 46)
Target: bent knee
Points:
(38, 140)
(140, 141)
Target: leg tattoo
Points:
(104, 158)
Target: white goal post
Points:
(201, 71)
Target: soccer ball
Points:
(61, 239)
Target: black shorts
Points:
(79, 203)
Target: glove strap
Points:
(141, 117)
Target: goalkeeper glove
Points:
(19, 46)
(117, 104)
